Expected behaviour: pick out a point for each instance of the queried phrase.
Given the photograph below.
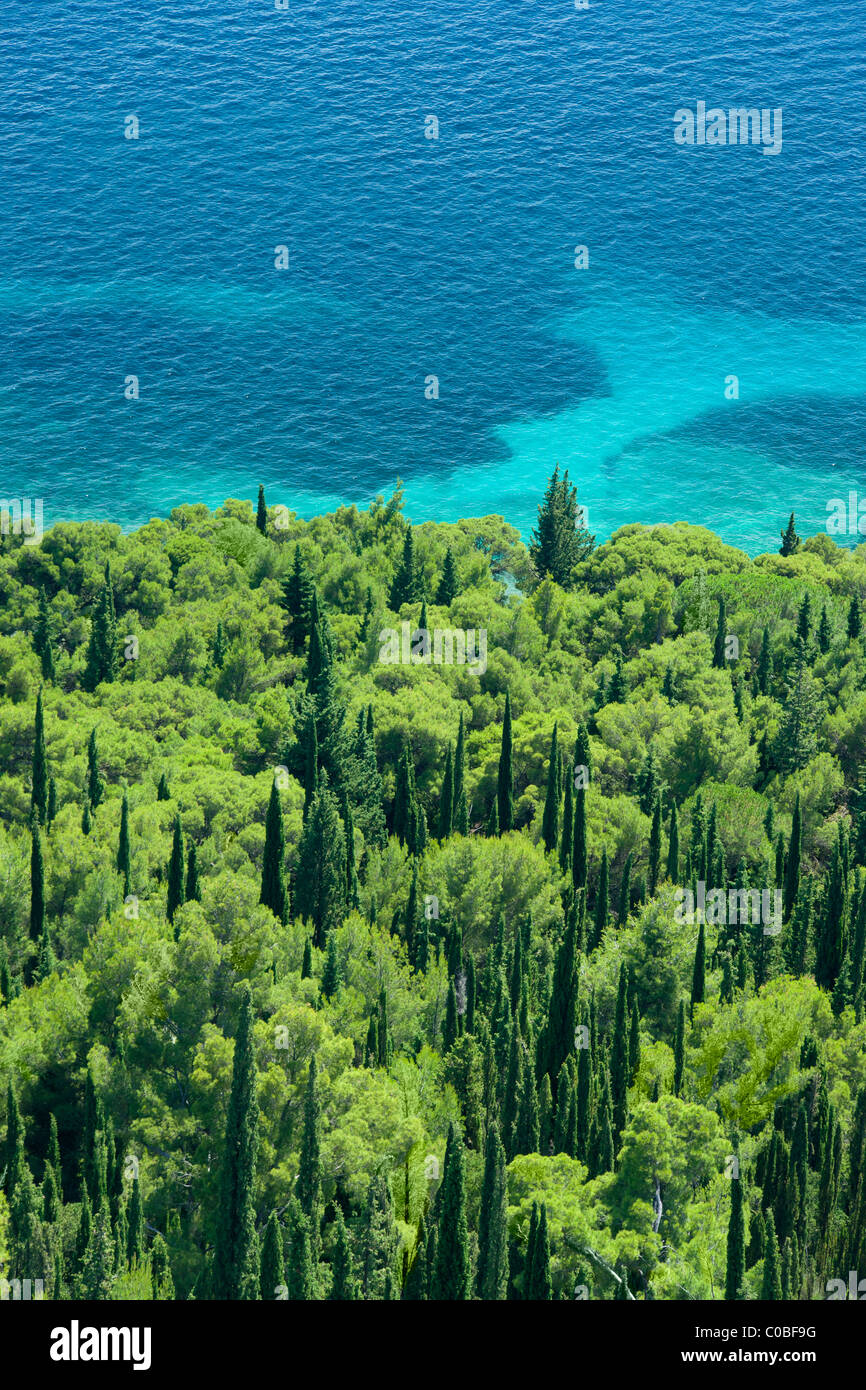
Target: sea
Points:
(323, 247)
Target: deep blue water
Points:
(454, 257)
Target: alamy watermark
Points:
(17, 514)
(737, 906)
(418, 647)
(739, 125)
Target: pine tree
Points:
(448, 587)
(175, 894)
(790, 540)
(505, 779)
(262, 512)
(95, 784)
(39, 775)
(234, 1274)
(273, 892)
(550, 821)
(451, 1277)
(560, 540)
(406, 584)
(124, 865)
(492, 1275)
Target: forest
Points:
(332, 971)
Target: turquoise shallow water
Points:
(452, 257)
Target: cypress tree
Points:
(765, 664)
(558, 1038)
(446, 798)
(625, 892)
(344, 1286)
(721, 635)
(855, 620)
(300, 1275)
(320, 893)
(416, 1286)
(461, 806)
(39, 776)
(560, 540)
(101, 659)
(451, 1278)
(43, 637)
(331, 977)
(406, 584)
(135, 1230)
(492, 1276)
(602, 905)
(234, 1275)
(298, 602)
(550, 820)
(655, 844)
(272, 1276)
(736, 1249)
(792, 869)
(830, 947)
(824, 631)
(309, 1183)
(680, 1048)
(790, 540)
(674, 847)
(262, 512)
(619, 1058)
(193, 887)
(86, 818)
(175, 894)
(307, 960)
(447, 590)
(583, 1096)
(51, 810)
(95, 784)
(380, 1240)
(579, 851)
(771, 1285)
(162, 791)
(37, 886)
(273, 892)
(123, 855)
(505, 779)
(540, 1284)
(699, 972)
(566, 845)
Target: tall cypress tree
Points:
(540, 1285)
(95, 784)
(320, 891)
(721, 635)
(344, 1286)
(102, 655)
(680, 1048)
(561, 539)
(580, 850)
(272, 1276)
(792, 867)
(830, 945)
(309, 1182)
(175, 894)
(674, 847)
(406, 585)
(655, 844)
(37, 894)
(448, 585)
(39, 775)
(699, 972)
(262, 512)
(736, 1248)
(123, 853)
(43, 637)
(566, 844)
(451, 1278)
(193, 887)
(550, 820)
(461, 805)
(493, 1221)
(602, 899)
(297, 600)
(273, 893)
(446, 798)
(235, 1274)
(619, 1057)
(505, 778)
(771, 1284)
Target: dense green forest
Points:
(328, 974)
